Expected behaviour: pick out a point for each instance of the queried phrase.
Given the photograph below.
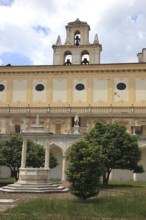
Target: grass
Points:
(117, 207)
(4, 182)
(130, 205)
(128, 186)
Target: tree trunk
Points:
(14, 173)
(106, 177)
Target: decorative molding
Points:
(57, 121)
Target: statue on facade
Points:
(76, 120)
(76, 124)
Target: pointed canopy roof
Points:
(78, 23)
(96, 41)
(58, 42)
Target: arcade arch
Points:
(57, 151)
(61, 154)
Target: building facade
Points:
(77, 84)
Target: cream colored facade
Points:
(76, 84)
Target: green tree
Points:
(10, 154)
(85, 169)
(120, 150)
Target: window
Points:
(2, 87)
(39, 87)
(137, 130)
(121, 86)
(80, 87)
(17, 128)
(58, 129)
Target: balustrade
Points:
(73, 110)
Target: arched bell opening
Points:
(67, 58)
(85, 57)
(77, 38)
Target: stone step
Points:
(10, 190)
(33, 188)
(25, 189)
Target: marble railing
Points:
(73, 110)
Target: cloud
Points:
(30, 28)
(41, 29)
(120, 34)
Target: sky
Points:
(29, 28)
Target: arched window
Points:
(67, 58)
(85, 57)
(77, 38)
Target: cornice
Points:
(61, 69)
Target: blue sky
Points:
(6, 2)
(29, 28)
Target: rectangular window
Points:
(58, 129)
(17, 128)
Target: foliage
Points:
(120, 149)
(10, 154)
(85, 169)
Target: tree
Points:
(120, 149)
(10, 154)
(85, 169)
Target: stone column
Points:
(24, 151)
(47, 156)
(63, 168)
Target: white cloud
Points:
(120, 25)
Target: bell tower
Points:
(77, 48)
